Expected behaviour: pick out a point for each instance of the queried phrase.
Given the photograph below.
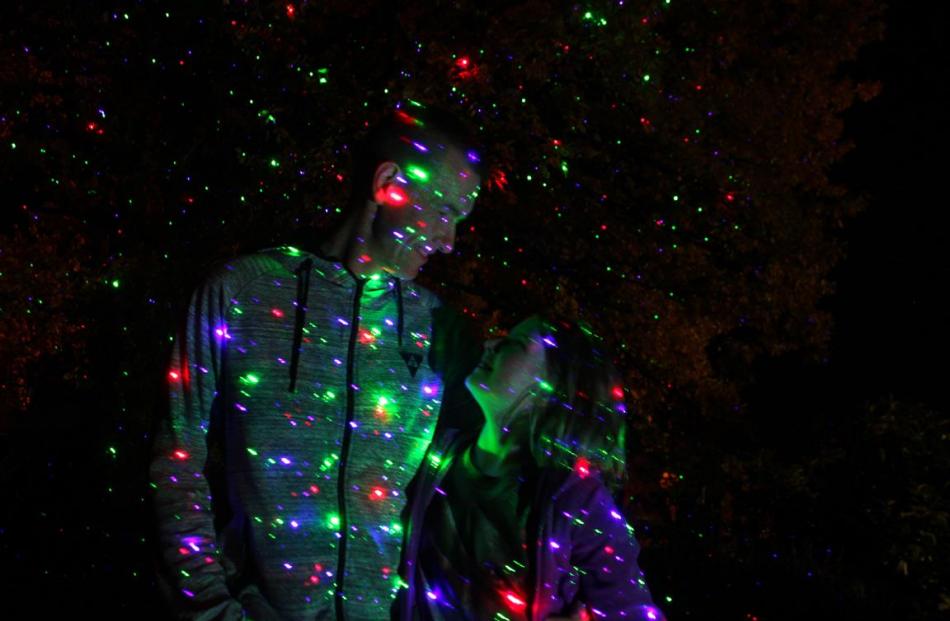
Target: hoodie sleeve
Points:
(604, 551)
(192, 565)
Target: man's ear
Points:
(384, 176)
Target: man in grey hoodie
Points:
(304, 395)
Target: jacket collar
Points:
(336, 273)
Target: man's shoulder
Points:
(236, 273)
(421, 295)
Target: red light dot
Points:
(405, 118)
(617, 392)
(276, 312)
(377, 493)
(180, 455)
(291, 11)
(514, 600)
(730, 197)
(582, 467)
(391, 195)
(174, 376)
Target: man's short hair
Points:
(405, 132)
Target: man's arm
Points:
(605, 551)
(456, 350)
(192, 566)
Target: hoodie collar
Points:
(336, 273)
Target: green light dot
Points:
(418, 173)
(115, 284)
(646, 78)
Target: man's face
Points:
(420, 209)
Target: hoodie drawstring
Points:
(303, 289)
(399, 320)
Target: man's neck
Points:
(344, 244)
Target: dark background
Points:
(867, 417)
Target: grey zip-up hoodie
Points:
(301, 405)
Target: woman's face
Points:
(510, 371)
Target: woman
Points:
(523, 525)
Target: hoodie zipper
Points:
(344, 453)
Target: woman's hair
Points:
(581, 420)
